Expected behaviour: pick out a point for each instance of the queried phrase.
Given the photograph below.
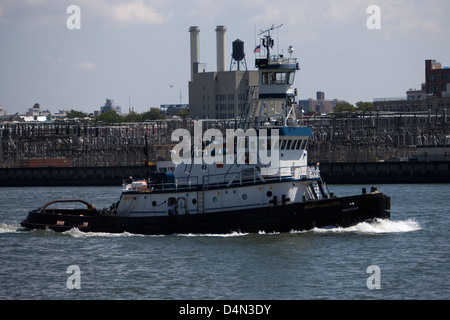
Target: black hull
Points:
(342, 212)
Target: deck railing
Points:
(248, 176)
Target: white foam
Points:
(9, 228)
(224, 235)
(268, 233)
(76, 233)
(376, 227)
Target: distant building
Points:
(221, 94)
(436, 78)
(319, 105)
(36, 114)
(4, 116)
(109, 105)
(60, 115)
(434, 94)
(3, 112)
(446, 94)
(171, 110)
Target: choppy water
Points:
(411, 252)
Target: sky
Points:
(136, 52)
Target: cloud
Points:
(128, 12)
(398, 17)
(86, 66)
(344, 11)
(37, 13)
(409, 17)
(2, 18)
(138, 12)
(53, 57)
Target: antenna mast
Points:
(267, 42)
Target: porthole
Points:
(194, 201)
(269, 193)
(214, 199)
(244, 197)
(154, 203)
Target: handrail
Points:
(234, 179)
(89, 206)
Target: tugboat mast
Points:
(276, 78)
(268, 42)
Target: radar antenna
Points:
(270, 29)
(267, 42)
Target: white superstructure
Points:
(248, 180)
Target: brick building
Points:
(436, 78)
(319, 105)
(434, 94)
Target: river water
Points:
(404, 258)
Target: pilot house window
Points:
(278, 77)
(295, 144)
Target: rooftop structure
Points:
(318, 105)
(35, 113)
(171, 110)
(436, 77)
(109, 105)
(217, 94)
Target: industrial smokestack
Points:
(220, 35)
(195, 48)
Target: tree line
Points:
(112, 116)
(346, 109)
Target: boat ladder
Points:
(200, 201)
(314, 191)
(317, 190)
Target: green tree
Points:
(183, 114)
(133, 117)
(344, 107)
(110, 116)
(153, 114)
(72, 114)
(364, 106)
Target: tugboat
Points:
(230, 187)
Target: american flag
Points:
(257, 49)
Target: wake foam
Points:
(9, 228)
(378, 226)
(76, 233)
(220, 235)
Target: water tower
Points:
(238, 55)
